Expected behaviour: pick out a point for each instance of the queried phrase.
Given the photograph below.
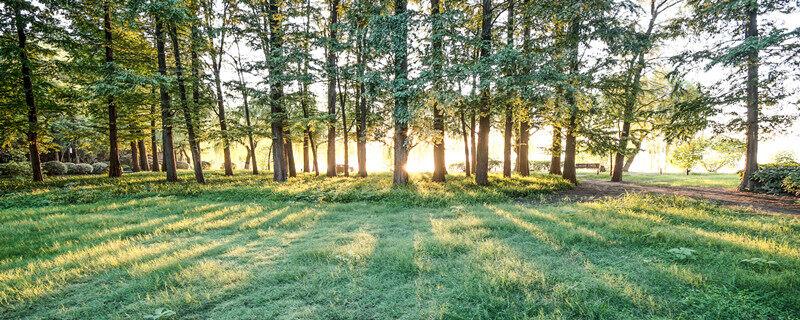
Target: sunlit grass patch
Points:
(349, 248)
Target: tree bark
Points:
(153, 140)
(629, 160)
(114, 168)
(439, 168)
(751, 149)
(572, 103)
(168, 147)
(134, 157)
(467, 160)
(331, 64)
(27, 86)
(555, 151)
(216, 66)
(277, 112)
(361, 114)
(401, 115)
(523, 167)
(246, 106)
(142, 155)
(289, 153)
(345, 131)
(194, 145)
(482, 160)
(509, 112)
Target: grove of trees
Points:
(88, 79)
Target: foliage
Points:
(725, 152)
(770, 177)
(83, 168)
(71, 168)
(682, 254)
(184, 165)
(784, 158)
(15, 170)
(54, 168)
(791, 183)
(688, 154)
(99, 167)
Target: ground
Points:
(347, 248)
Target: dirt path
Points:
(594, 189)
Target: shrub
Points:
(15, 170)
(539, 166)
(182, 165)
(99, 167)
(54, 168)
(770, 177)
(791, 183)
(206, 165)
(83, 168)
(71, 168)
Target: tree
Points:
(216, 53)
(194, 144)
(168, 147)
(331, 70)
(688, 154)
(400, 91)
(20, 22)
(484, 108)
(724, 152)
(761, 44)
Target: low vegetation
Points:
(714, 180)
(242, 247)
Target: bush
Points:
(71, 168)
(54, 168)
(539, 166)
(182, 165)
(83, 168)
(770, 177)
(206, 165)
(99, 167)
(15, 170)
(791, 184)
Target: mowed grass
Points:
(715, 180)
(245, 248)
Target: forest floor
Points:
(244, 247)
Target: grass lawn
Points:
(348, 248)
(716, 180)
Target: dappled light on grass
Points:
(352, 248)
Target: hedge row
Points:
(774, 178)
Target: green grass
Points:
(243, 247)
(716, 180)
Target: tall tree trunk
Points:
(629, 160)
(27, 86)
(473, 147)
(153, 139)
(134, 157)
(555, 150)
(345, 131)
(114, 168)
(509, 112)
(277, 112)
(523, 166)
(361, 113)
(467, 160)
(400, 48)
(216, 67)
(482, 160)
(751, 153)
(246, 106)
(570, 149)
(437, 54)
(142, 155)
(632, 94)
(168, 147)
(331, 65)
(247, 158)
(289, 153)
(194, 145)
(306, 160)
